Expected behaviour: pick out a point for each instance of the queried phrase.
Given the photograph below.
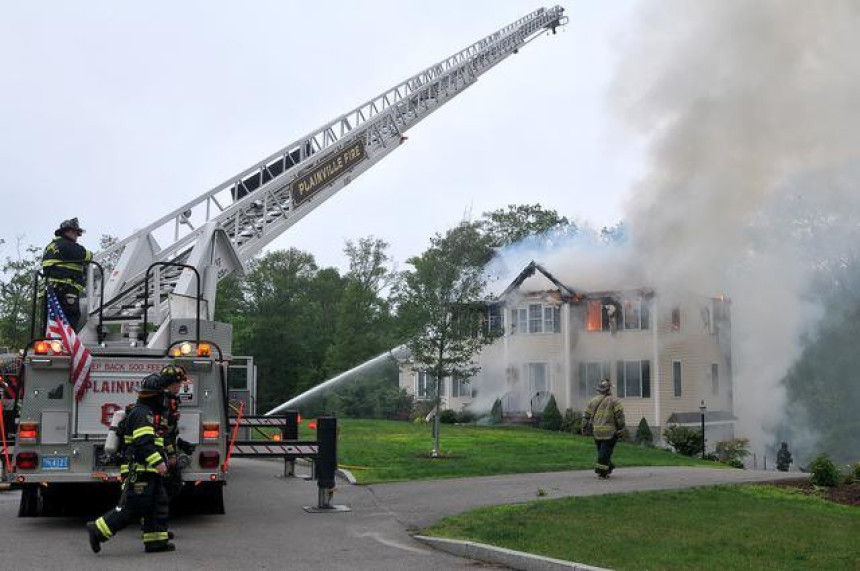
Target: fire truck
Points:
(150, 298)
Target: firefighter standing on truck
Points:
(63, 264)
(173, 377)
(604, 420)
(144, 497)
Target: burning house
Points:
(665, 356)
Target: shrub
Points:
(644, 436)
(466, 416)
(824, 472)
(420, 410)
(448, 416)
(496, 412)
(551, 417)
(734, 449)
(855, 471)
(684, 440)
(572, 422)
(735, 463)
(712, 457)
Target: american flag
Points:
(59, 328)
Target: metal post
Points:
(326, 463)
(290, 431)
(703, 408)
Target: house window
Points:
(676, 377)
(519, 320)
(551, 319)
(494, 320)
(594, 316)
(676, 319)
(590, 375)
(424, 385)
(636, 315)
(715, 379)
(461, 388)
(538, 378)
(634, 379)
(535, 318)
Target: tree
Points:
(551, 417)
(440, 308)
(518, 221)
(16, 294)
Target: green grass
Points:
(746, 527)
(382, 451)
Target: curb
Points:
(508, 557)
(347, 475)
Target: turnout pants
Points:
(604, 465)
(144, 499)
(70, 303)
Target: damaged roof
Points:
(529, 271)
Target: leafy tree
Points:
(518, 221)
(644, 436)
(440, 308)
(551, 417)
(16, 294)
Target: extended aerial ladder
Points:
(217, 233)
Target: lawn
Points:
(740, 527)
(381, 451)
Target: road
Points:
(266, 527)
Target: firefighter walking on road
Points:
(604, 420)
(173, 376)
(144, 496)
(64, 266)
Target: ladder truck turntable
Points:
(157, 303)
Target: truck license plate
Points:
(55, 462)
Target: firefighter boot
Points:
(95, 537)
(159, 547)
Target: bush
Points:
(734, 449)
(448, 416)
(496, 412)
(551, 417)
(824, 472)
(855, 472)
(466, 416)
(735, 463)
(420, 410)
(644, 436)
(684, 440)
(572, 422)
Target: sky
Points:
(118, 112)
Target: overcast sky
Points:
(118, 112)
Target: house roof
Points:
(528, 272)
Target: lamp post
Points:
(703, 409)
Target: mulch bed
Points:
(848, 494)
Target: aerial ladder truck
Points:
(151, 296)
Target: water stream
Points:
(397, 354)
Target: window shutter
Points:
(621, 389)
(646, 379)
(583, 391)
(645, 317)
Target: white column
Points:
(655, 369)
(566, 348)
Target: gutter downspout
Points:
(655, 321)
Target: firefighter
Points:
(144, 497)
(63, 264)
(604, 420)
(783, 458)
(173, 376)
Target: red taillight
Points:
(26, 460)
(312, 425)
(211, 430)
(204, 350)
(299, 418)
(276, 437)
(42, 347)
(28, 432)
(210, 459)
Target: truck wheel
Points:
(31, 502)
(214, 500)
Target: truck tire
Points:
(31, 502)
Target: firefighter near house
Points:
(155, 309)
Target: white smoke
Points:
(750, 112)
